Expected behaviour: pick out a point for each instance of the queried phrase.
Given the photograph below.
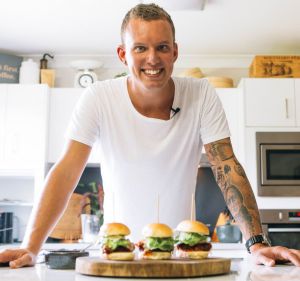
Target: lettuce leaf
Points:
(157, 243)
(191, 238)
(113, 242)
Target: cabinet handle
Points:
(296, 229)
(286, 108)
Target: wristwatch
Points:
(261, 238)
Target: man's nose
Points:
(153, 57)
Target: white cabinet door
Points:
(269, 102)
(62, 104)
(26, 126)
(232, 103)
(297, 97)
(2, 121)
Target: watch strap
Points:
(261, 238)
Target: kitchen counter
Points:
(242, 269)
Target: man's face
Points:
(150, 52)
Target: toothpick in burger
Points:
(193, 240)
(158, 242)
(114, 245)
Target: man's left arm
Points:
(241, 202)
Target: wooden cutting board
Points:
(152, 268)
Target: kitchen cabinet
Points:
(269, 102)
(297, 104)
(232, 100)
(24, 121)
(62, 103)
(23, 140)
(2, 115)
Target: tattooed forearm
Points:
(235, 186)
(220, 150)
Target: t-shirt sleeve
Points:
(213, 122)
(85, 121)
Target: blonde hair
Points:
(146, 12)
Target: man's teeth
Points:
(151, 72)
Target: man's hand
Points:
(269, 256)
(17, 257)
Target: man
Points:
(151, 128)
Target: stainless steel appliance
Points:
(282, 227)
(278, 163)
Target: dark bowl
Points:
(63, 259)
(229, 233)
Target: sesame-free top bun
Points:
(193, 226)
(119, 256)
(157, 230)
(114, 228)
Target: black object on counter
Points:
(63, 259)
(6, 227)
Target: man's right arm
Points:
(58, 188)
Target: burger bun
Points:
(193, 226)
(157, 230)
(196, 255)
(115, 228)
(119, 256)
(155, 255)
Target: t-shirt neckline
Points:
(151, 119)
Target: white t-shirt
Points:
(143, 159)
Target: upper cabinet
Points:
(23, 128)
(62, 104)
(270, 102)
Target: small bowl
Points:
(63, 259)
(229, 233)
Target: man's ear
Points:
(175, 52)
(122, 54)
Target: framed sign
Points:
(9, 68)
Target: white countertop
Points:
(242, 269)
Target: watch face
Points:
(85, 80)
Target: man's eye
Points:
(139, 49)
(163, 48)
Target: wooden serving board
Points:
(152, 268)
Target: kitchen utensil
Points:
(152, 268)
(63, 259)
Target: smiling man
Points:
(151, 128)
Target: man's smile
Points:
(152, 72)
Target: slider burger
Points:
(114, 245)
(193, 240)
(158, 242)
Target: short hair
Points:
(146, 12)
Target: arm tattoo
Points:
(235, 186)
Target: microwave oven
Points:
(278, 163)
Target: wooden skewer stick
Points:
(158, 208)
(193, 207)
(113, 199)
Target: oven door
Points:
(286, 235)
(280, 164)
